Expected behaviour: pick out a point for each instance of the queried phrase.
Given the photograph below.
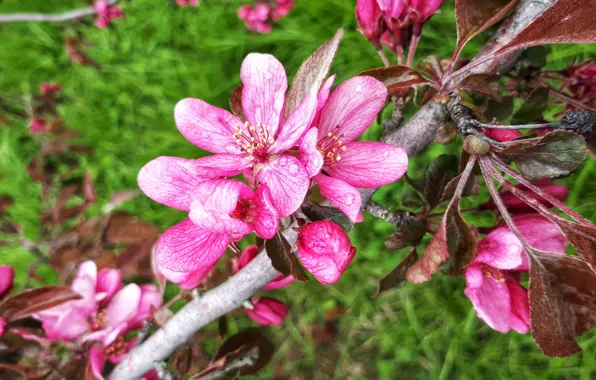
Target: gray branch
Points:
(413, 136)
(50, 17)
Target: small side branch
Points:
(398, 219)
(51, 17)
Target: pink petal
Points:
(541, 233)
(208, 127)
(287, 181)
(322, 97)
(502, 135)
(392, 8)
(214, 201)
(109, 281)
(6, 280)
(344, 197)
(297, 123)
(368, 16)
(187, 280)
(222, 165)
(501, 249)
(85, 284)
(124, 306)
(492, 303)
(97, 361)
(279, 282)
(520, 308)
(310, 156)
(69, 324)
(268, 311)
(186, 247)
(369, 164)
(325, 250)
(247, 255)
(265, 85)
(264, 216)
(151, 300)
(352, 107)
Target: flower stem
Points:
(383, 57)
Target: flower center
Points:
(119, 347)
(242, 210)
(493, 272)
(331, 148)
(100, 320)
(254, 140)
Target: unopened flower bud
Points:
(446, 134)
(475, 145)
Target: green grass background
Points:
(160, 54)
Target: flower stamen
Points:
(331, 147)
(254, 140)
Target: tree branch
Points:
(50, 17)
(398, 219)
(413, 136)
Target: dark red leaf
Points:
(312, 72)
(182, 360)
(32, 301)
(562, 302)
(487, 85)
(283, 259)
(396, 78)
(126, 229)
(236, 103)
(397, 277)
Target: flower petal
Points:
(492, 303)
(186, 247)
(6, 279)
(343, 196)
(265, 219)
(208, 127)
(187, 280)
(520, 308)
(213, 203)
(150, 301)
(325, 250)
(97, 361)
(268, 311)
(352, 107)
(264, 92)
(287, 181)
(109, 281)
(310, 156)
(124, 306)
(370, 164)
(297, 123)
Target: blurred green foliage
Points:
(160, 54)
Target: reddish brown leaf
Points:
(283, 259)
(475, 16)
(484, 84)
(312, 72)
(32, 301)
(433, 67)
(126, 229)
(182, 360)
(28, 372)
(566, 21)
(397, 276)
(133, 256)
(236, 103)
(396, 78)
(562, 302)
(75, 52)
(582, 237)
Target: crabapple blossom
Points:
(184, 3)
(492, 278)
(368, 16)
(267, 311)
(259, 16)
(325, 250)
(106, 13)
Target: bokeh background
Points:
(161, 53)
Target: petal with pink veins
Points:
(369, 164)
(185, 247)
(297, 123)
(264, 216)
(150, 301)
(187, 280)
(208, 127)
(343, 196)
(268, 311)
(492, 303)
(520, 308)
(288, 182)
(264, 92)
(352, 107)
(310, 156)
(109, 281)
(325, 250)
(214, 201)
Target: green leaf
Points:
(532, 108)
(557, 154)
(438, 174)
(397, 277)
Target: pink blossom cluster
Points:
(281, 159)
(6, 283)
(106, 313)
(106, 13)
(258, 17)
(392, 22)
(184, 3)
(580, 84)
(493, 277)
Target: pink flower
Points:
(115, 353)
(37, 125)
(106, 13)
(267, 311)
(493, 276)
(261, 143)
(350, 164)
(7, 275)
(325, 250)
(368, 17)
(280, 281)
(422, 10)
(502, 135)
(514, 204)
(49, 88)
(109, 281)
(3, 326)
(282, 9)
(184, 3)
(256, 18)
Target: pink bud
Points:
(502, 135)
(3, 326)
(368, 17)
(109, 281)
(37, 125)
(424, 9)
(6, 280)
(49, 88)
(325, 250)
(268, 311)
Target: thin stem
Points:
(177, 297)
(412, 49)
(554, 201)
(515, 127)
(489, 173)
(383, 57)
(51, 17)
(398, 219)
(573, 102)
(400, 55)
